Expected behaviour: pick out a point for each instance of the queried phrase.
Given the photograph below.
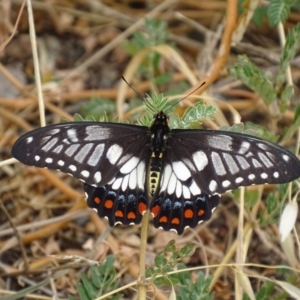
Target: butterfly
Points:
(182, 171)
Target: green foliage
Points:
(269, 290)
(193, 114)
(274, 202)
(270, 88)
(102, 280)
(278, 11)
(155, 33)
(198, 290)
(289, 51)
(253, 77)
(167, 261)
(291, 130)
(99, 107)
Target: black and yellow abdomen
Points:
(155, 167)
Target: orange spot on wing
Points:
(97, 200)
(188, 214)
(201, 212)
(109, 203)
(119, 214)
(142, 208)
(163, 219)
(175, 221)
(131, 215)
(155, 210)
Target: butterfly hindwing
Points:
(91, 151)
(119, 207)
(124, 199)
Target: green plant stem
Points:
(142, 288)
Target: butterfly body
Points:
(183, 172)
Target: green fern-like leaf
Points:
(253, 77)
(278, 11)
(101, 281)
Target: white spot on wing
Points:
(83, 152)
(264, 175)
(239, 179)
(194, 189)
(48, 160)
(251, 176)
(166, 176)
(113, 153)
(262, 146)
(129, 165)
(85, 173)
(141, 174)
(186, 192)
(133, 179)
(231, 164)
(181, 171)
(226, 183)
(178, 189)
(71, 150)
(53, 131)
(72, 168)
(50, 144)
(58, 149)
(212, 186)
(285, 157)
(37, 158)
(223, 142)
(265, 160)
(276, 174)
(97, 176)
(189, 164)
(244, 147)
(242, 161)
(29, 140)
(172, 184)
(125, 183)
(45, 139)
(200, 160)
(256, 163)
(218, 165)
(72, 135)
(96, 155)
(97, 133)
(117, 183)
(61, 163)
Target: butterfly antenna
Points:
(131, 87)
(192, 92)
(139, 94)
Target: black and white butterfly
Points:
(182, 171)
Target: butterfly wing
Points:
(220, 161)
(110, 158)
(201, 164)
(90, 151)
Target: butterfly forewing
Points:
(221, 161)
(90, 151)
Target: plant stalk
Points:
(142, 287)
